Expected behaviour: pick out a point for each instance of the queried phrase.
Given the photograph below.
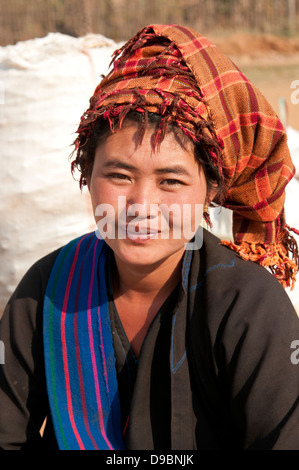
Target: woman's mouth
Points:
(142, 235)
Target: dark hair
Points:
(85, 154)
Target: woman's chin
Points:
(143, 251)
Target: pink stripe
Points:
(64, 348)
(126, 425)
(91, 342)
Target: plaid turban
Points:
(175, 72)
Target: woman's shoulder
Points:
(32, 287)
(229, 283)
(34, 281)
(25, 306)
(240, 302)
(229, 269)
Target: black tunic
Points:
(240, 389)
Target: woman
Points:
(152, 336)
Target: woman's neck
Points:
(134, 281)
(140, 291)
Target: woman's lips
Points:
(142, 234)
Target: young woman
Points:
(151, 333)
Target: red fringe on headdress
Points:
(274, 256)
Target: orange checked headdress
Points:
(177, 73)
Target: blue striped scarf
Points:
(79, 356)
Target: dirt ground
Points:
(271, 63)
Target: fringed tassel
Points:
(207, 219)
(281, 258)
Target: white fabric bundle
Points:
(45, 86)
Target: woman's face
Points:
(147, 204)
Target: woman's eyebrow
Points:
(176, 169)
(115, 163)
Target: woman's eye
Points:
(118, 176)
(172, 182)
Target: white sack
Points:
(45, 87)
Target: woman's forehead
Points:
(124, 145)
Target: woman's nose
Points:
(140, 199)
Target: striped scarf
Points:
(179, 74)
(79, 356)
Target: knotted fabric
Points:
(175, 72)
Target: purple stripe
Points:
(78, 360)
